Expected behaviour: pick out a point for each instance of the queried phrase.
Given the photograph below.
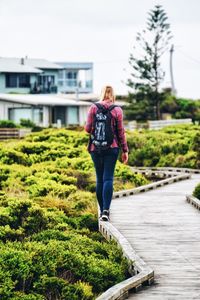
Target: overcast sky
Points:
(102, 32)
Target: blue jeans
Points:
(104, 164)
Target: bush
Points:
(49, 240)
(27, 123)
(4, 174)
(175, 146)
(23, 296)
(44, 187)
(7, 124)
(11, 156)
(124, 173)
(73, 267)
(54, 288)
(196, 192)
(196, 148)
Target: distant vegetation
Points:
(50, 247)
(173, 146)
(177, 108)
(7, 124)
(181, 108)
(11, 124)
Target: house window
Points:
(17, 80)
(15, 114)
(71, 78)
(37, 115)
(24, 80)
(11, 80)
(33, 114)
(72, 115)
(71, 75)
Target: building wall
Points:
(84, 78)
(46, 112)
(4, 107)
(83, 110)
(33, 79)
(46, 116)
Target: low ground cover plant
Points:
(196, 192)
(173, 146)
(50, 247)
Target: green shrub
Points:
(11, 156)
(23, 296)
(27, 123)
(7, 124)
(49, 240)
(196, 148)
(37, 129)
(4, 174)
(125, 174)
(171, 146)
(9, 234)
(82, 164)
(44, 187)
(7, 285)
(54, 267)
(196, 192)
(82, 201)
(32, 148)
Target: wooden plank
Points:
(8, 133)
(164, 229)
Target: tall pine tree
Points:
(147, 73)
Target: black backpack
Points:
(102, 135)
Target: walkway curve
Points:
(164, 231)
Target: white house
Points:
(40, 76)
(28, 75)
(44, 110)
(48, 109)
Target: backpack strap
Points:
(98, 105)
(112, 106)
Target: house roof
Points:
(48, 100)
(25, 65)
(42, 64)
(54, 99)
(76, 65)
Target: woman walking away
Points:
(105, 125)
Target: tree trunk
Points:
(158, 110)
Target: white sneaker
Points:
(105, 215)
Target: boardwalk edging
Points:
(170, 169)
(194, 201)
(176, 177)
(140, 271)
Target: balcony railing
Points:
(73, 83)
(44, 90)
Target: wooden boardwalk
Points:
(164, 230)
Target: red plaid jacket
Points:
(119, 136)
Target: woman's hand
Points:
(125, 157)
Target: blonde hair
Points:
(107, 92)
